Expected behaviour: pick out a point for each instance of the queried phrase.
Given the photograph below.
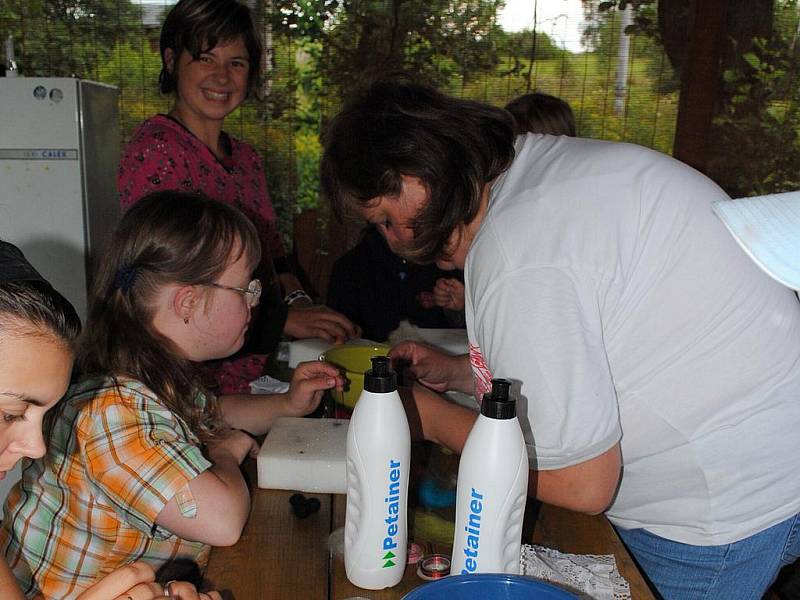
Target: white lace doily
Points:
(590, 576)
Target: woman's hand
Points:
(432, 368)
(309, 382)
(136, 581)
(449, 293)
(320, 322)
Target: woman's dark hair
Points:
(542, 113)
(197, 26)
(165, 238)
(36, 308)
(396, 127)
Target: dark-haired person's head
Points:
(196, 27)
(398, 138)
(38, 332)
(542, 113)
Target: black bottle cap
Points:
(380, 378)
(498, 404)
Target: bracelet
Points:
(296, 295)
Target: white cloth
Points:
(768, 229)
(592, 576)
(268, 385)
(602, 281)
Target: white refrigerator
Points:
(59, 150)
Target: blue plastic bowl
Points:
(488, 586)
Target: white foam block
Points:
(306, 455)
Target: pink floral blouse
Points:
(164, 155)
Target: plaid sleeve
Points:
(138, 455)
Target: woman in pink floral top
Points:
(210, 57)
(164, 154)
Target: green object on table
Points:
(354, 360)
(430, 527)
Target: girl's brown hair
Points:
(165, 238)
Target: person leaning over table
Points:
(38, 332)
(536, 112)
(143, 461)
(210, 55)
(659, 368)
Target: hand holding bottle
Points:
(136, 581)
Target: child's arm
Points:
(256, 413)
(8, 584)
(220, 494)
(216, 505)
(140, 455)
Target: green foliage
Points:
(582, 80)
(760, 123)
(323, 49)
(63, 38)
(602, 35)
(309, 153)
(527, 44)
(435, 40)
(133, 66)
(303, 18)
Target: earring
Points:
(185, 320)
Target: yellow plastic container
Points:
(354, 360)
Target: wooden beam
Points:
(700, 89)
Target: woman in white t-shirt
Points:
(654, 359)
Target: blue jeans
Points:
(743, 570)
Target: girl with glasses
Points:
(38, 333)
(143, 461)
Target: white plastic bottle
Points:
(492, 489)
(378, 459)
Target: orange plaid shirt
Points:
(116, 457)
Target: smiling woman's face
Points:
(34, 374)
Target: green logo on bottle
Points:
(387, 558)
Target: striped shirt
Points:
(116, 457)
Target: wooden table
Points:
(280, 556)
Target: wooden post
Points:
(700, 89)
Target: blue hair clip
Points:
(126, 277)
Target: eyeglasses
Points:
(252, 293)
